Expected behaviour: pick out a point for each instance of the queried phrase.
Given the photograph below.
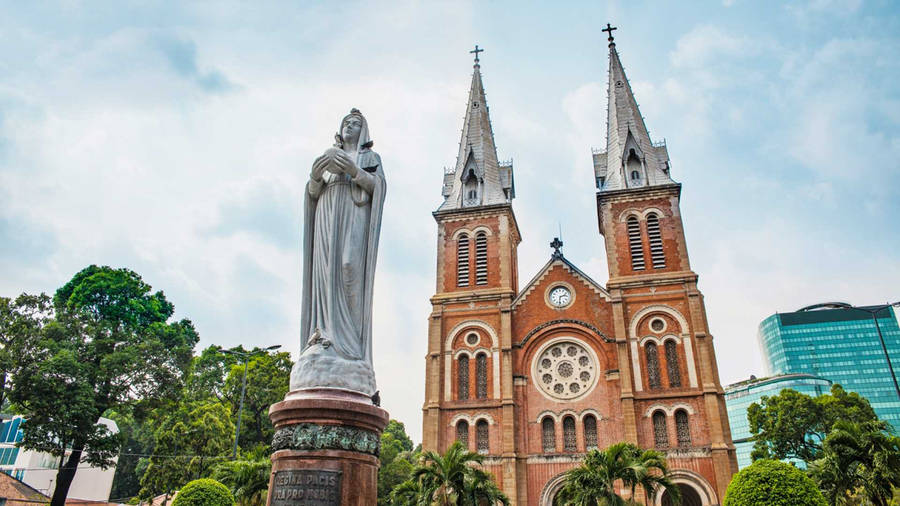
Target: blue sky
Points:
(174, 139)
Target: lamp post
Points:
(244, 356)
(874, 310)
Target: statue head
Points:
(354, 130)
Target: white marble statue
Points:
(341, 224)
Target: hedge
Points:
(772, 483)
(204, 492)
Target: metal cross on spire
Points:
(556, 245)
(476, 51)
(609, 28)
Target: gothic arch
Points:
(660, 340)
(646, 212)
(463, 351)
(589, 411)
(553, 486)
(657, 308)
(549, 413)
(456, 330)
(631, 211)
(493, 353)
(669, 410)
(684, 339)
(472, 419)
(691, 479)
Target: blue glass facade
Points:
(739, 397)
(10, 434)
(841, 345)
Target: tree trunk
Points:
(64, 477)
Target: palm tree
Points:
(449, 479)
(858, 459)
(247, 479)
(594, 481)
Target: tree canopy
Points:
(792, 425)
(109, 346)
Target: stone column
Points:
(325, 449)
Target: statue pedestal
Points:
(325, 449)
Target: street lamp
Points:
(244, 356)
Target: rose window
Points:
(566, 370)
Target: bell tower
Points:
(663, 331)
(469, 382)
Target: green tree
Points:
(792, 425)
(772, 483)
(204, 492)
(208, 372)
(189, 442)
(21, 321)
(247, 479)
(449, 479)
(109, 346)
(594, 481)
(858, 460)
(397, 460)
(268, 375)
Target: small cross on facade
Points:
(476, 51)
(556, 245)
(609, 28)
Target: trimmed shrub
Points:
(204, 492)
(772, 483)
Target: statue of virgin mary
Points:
(341, 224)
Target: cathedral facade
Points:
(533, 375)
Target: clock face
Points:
(560, 296)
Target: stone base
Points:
(325, 449)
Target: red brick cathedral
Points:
(534, 375)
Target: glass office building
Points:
(841, 344)
(739, 397)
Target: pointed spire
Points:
(478, 178)
(631, 160)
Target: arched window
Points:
(462, 260)
(633, 164)
(657, 255)
(481, 259)
(462, 377)
(590, 432)
(660, 431)
(462, 433)
(569, 443)
(652, 355)
(481, 376)
(481, 436)
(682, 428)
(635, 244)
(672, 363)
(548, 434)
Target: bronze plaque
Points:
(306, 487)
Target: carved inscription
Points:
(306, 487)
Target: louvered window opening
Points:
(590, 432)
(683, 428)
(652, 365)
(481, 436)
(657, 255)
(569, 434)
(660, 432)
(548, 435)
(462, 377)
(672, 364)
(481, 376)
(635, 244)
(481, 259)
(462, 261)
(462, 433)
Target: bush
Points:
(204, 492)
(772, 483)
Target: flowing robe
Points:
(342, 222)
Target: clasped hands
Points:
(336, 161)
